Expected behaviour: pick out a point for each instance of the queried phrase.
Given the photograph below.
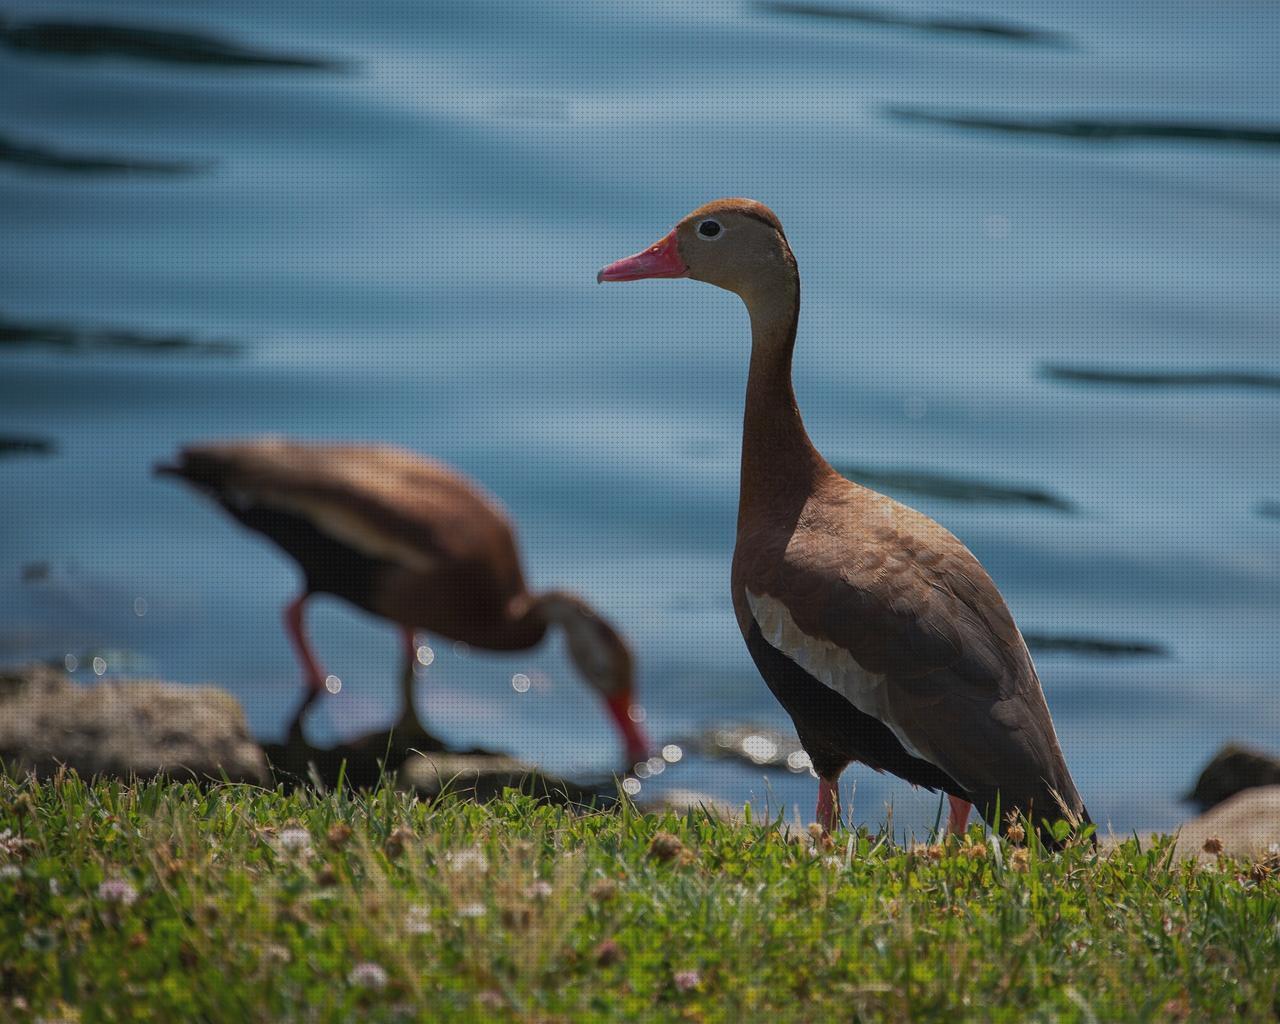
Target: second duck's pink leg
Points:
(409, 732)
(828, 812)
(958, 822)
(409, 713)
(311, 670)
(409, 640)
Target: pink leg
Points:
(828, 812)
(410, 641)
(408, 723)
(409, 731)
(311, 670)
(958, 822)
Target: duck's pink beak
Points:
(633, 736)
(662, 259)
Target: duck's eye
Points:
(710, 229)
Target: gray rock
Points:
(484, 777)
(1247, 825)
(143, 728)
(691, 803)
(1234, 768)
(124, 728)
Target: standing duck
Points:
(410, 541)
(876, 629)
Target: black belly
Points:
(834, 732)
(330, 566)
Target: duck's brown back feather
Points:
(884, 601)
(396, 533)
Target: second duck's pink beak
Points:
(662, 259)
(637, 743)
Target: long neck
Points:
(778, 459)
(526, 621)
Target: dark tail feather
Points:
(1043, 809)
(203, 468)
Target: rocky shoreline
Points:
(124, 728)
(129, 728)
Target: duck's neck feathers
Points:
(779, 462)
(526, 622)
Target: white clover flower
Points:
(367, 975)
(472, 861)
(539, 890)
(687, 981)
(12, 845)
(294, 839)
(117, 890)
(417, 921)
(471, 910)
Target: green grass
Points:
(165, 902)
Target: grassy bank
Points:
(162, 902)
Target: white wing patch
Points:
(829, 663)
(349, 527)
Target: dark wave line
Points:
(13, 444)
(1088, 130)
(69, 338)
(88, 39)
(1051, 643)
(1163, 378)
(43, 158)
(898, 19)
(951, 488)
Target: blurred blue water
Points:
(406, 248)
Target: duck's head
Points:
(604, 660)
(735, 244)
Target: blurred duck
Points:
(876, 629)
(413, 542)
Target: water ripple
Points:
(954, 488)
(1091, 130)
(15, 334)
(88, 39)
(973, 26)
(35, 156)
(11, 444)
(1163, 378)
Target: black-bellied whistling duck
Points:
(876, 629)
(413, 542)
